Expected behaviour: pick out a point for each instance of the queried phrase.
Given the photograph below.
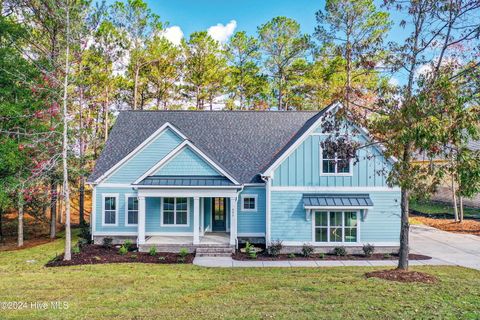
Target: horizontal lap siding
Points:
(146, 158)
(153, 221)
(187, 163)
(120, 213)
(302, 168)
(382, 223)
(248, 221)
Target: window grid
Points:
(110, 210)
(334, 228)
(132, 210)
(175, 212)
(332, 164)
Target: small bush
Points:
(275, 248)
(81, 242)
(162, 258)
(133, 256)
(321, 255)
(368, 249)
(181, 260)
(387, 256)
(76, 249)
(340, 251)
(307, 250)
(85, 232)
(107, 242)
(128, 244)
(291, 255)
(250, 250)
(123, 250)
(152, 251)
(183, 253)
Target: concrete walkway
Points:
(445, 248)
(448, 247)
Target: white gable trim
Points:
(144, 144)
(269, 171)
(176, 151)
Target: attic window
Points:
(332, 163)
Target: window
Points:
(336, 226)
(110, 205)
(132, 210)
(333, 163)
(175, 211)
(249, 202)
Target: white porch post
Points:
(196, 220)
(141, 220)
(233, 220)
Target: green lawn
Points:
(137, 291)
(433, 208)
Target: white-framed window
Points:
(336, 226)
(175, 212)
(249, 202)
(110, 209)
(331, 163)
(131, 210)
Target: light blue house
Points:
(189, 178)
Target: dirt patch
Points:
(96, 254)
(402, 276)
(375, 256)
(468, 226)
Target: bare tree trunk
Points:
(66, 190)
(280, 94)
(105, 120)
(53, 209)
(135, 88)
(404, 223)
(454, 198)
(461, 208)
(20, 219)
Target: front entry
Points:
(219, 214)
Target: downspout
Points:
(268, 185)
(236, 212)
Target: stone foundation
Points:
(115, 239)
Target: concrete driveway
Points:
(453, 248)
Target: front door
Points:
(219, 214)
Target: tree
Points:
(351, 34)
(282, 44)
(205, 68)
(245, 82)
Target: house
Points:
(194, 179)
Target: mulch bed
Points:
(375, 256)
(97, 254)
(468, 226)
(402, 276)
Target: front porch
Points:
(166, 243)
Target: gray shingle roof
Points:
(190, 181)
(244, 143)
(337, 200)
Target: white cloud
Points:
(174, 34)
(393, 81)
(221, 32)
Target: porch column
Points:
(196, 220)
(233, 221)
(141, 220)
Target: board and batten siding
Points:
(146, 158)
(302, 167)
(381, 225)
(252, 222)
(187, 163)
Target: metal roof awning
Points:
(186, 181)
(319, 201)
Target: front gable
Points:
(146, 157)
(186, 163)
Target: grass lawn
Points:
(137, 291)
(433, 208)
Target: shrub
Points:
(339, 251)
(152, 251)
(81, 242)
(181, 260)
(387, 256)
(133, 256)
(123, 250)
(85, 232)
(128, 244)
(275, 248)
(76, 249)
(162, 258)
(368, 249)
(321, 255)
(307, 250)
(107, 242)
(183, 253)
(291, 255)
(250, 250)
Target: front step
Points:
(214, 251)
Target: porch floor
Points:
(214, 238)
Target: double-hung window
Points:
(131, 204)
(336, 226)
(334, 163)
(175, 212)
(110, 208)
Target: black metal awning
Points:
(313, 201)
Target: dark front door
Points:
(219, 214)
